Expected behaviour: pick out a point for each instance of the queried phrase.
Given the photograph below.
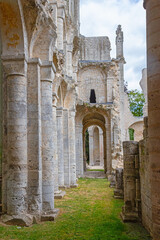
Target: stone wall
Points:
(95, 48)
(137, 184)
(92, 78)
(145, 176)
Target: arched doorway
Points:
(95, 122)
(94, 147)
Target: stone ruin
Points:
(56, 84)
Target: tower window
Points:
(92, 96)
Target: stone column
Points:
(108, 149)
(131, 151)
(56, 188)
(47, 76)
(79, 150)
(34, 138)
(15, 70)
(119, 192)
(58, 194)
(53, 5)
(60, 147)
(66, 147)
(91, 158)
(60, 19)
(153, 73)
(72, 148)
(69, 49)
(101, 147)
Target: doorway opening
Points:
(94, 148)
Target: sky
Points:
(101, 18)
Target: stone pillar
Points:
(34, 138)
(47, 76)
(53, 5)
(79, 150)
(119, 192)
(131, 151)
(60, 147)
(56, 188)
(101, 147)
(69, 49)
(72, 148)
(96, 146)
(15, 70)
(66, 147)
(108, 165)
(91, 158)
(58, 194)
(153, 73)
(60, 20)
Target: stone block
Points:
(23, 220)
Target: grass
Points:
(88, 212)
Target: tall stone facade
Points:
(149, 147)
(56, 84)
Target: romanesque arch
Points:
(86, 117)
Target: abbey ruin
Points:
(55, 85)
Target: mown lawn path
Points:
(88, 212)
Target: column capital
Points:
(69, 47)
(35, 61)
(61, 12)
(65, 110)
(47, 71)
(14, 65)
(59, 111)
(72, 112)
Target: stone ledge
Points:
(129, 217)
(74, 186)
(59, 195)
(49, 217)
(24, 220)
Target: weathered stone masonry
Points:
(48, 72)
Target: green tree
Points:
(136, 101)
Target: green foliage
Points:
(136, 101)
(131, 134)
(88, 212)
(87, 145)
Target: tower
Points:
(119, 42)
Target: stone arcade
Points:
(54, 85)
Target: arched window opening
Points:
(131, 134)
(93, 96)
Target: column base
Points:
(23, 220)
(118, 194)
(62, 187)
(51, 216)
(74, 186)
(112, 180)
(129, 217)
(59, 194)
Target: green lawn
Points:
(88, 212)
